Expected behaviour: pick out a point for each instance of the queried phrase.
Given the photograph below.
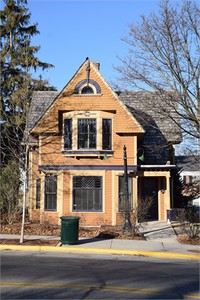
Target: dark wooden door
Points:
(149, 190)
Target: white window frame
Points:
(99, 116)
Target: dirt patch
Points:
(31, 229)
(184, 239)
(34, 242)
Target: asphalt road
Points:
(31, 275)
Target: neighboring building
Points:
(189, 167)
(76, 158)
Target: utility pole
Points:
(127, 223)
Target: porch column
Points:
(167, 197)
(114, 197)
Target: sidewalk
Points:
(160, 242)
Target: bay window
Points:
(87, 135)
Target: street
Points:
(35, 275)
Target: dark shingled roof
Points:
(40, 102)
(160, 131)
(145, 105)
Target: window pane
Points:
(84, 199)
(92, 141)
(68, 133)
(87, 193)
(38, 189)
(90, 200)
(86, 133)
(97, 203)
(51, 184)
(77, 200)
(50, 192)
(87, 90)
(106, 134)
(122, 201)
(50, 201)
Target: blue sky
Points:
(72, 30)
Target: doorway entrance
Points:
(149, 189)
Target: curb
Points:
(75, 249)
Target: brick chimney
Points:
(96, 64)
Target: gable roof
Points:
(36, 117)
(40, 102)
(142, 107)
(145, 106)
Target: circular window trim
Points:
(93, 84)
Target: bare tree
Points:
(164, 56)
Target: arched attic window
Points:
(87, 87)
(87, 90)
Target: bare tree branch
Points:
(164, 55)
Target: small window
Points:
(106, 134)
(67, 133)
(50, 193)
(87, 193)
(38, 191)
(87, 90)
(122, 201)
(86, 86)
(86, 133)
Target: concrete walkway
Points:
(160, 242)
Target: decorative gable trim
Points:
(90, 82)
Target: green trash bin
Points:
(69, 230)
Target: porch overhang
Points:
(43, 168)
(156, 167)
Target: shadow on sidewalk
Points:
(92, 240)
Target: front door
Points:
(149, 190)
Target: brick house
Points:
(76, 152)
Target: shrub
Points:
(190, 222)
